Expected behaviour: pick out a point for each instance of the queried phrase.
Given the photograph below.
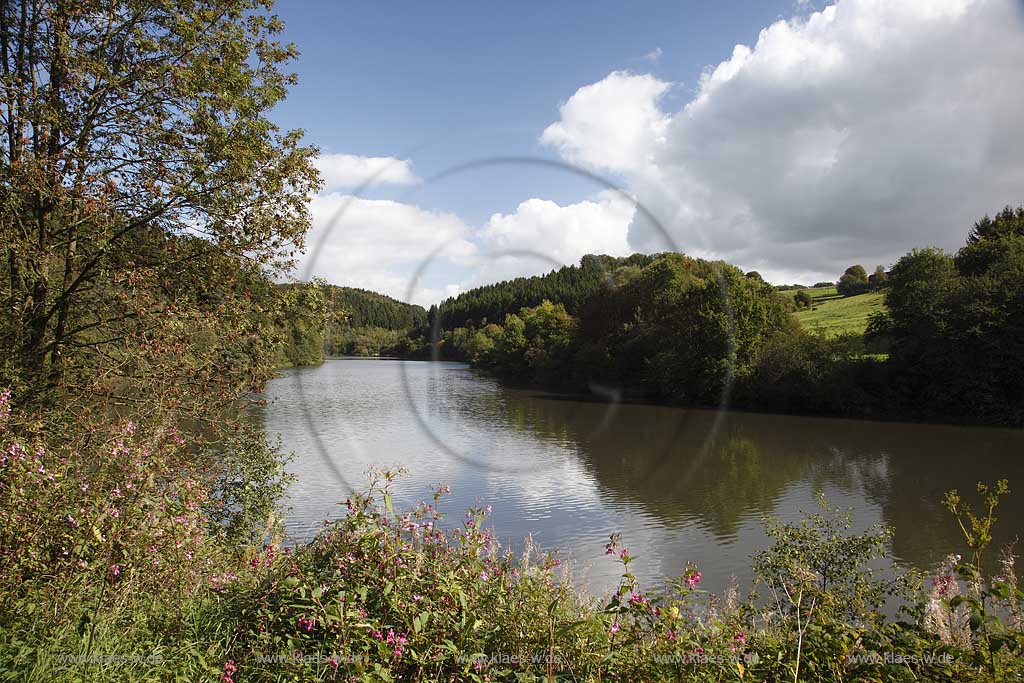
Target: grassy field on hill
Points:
(837, 315)
(817, 293)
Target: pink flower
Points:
(692, 580)
(397, 641)
(638, 600)
(614, 629)
(115, 570)
(943, 584)
(306, 624)
(229, 672)
(741, 638)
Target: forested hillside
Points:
(570, 286)
(365, 323)
(363, 308)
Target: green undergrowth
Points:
(389, 595)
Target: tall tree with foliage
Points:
(147, 202)
(1007, 222)
(956, 324)
(145, 193)
(852, 282)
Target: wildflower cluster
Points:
(124, 515)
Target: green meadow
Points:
(834, 314)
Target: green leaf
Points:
(419, 622)
(1000, 590)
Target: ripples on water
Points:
(571, 472)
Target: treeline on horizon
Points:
(681, 330)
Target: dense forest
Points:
(663, 329)
(570, 286)
(955, 325)
(363, 308)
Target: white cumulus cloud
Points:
(347, 171)
(378, 244)
(541, 235)
(424, 256)
(612, 125)
(851, 135)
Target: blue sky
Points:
(447, 83)
(812, 112)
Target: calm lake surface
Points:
(680, 485)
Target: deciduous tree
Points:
(146, 196)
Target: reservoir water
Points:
(680, 485)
